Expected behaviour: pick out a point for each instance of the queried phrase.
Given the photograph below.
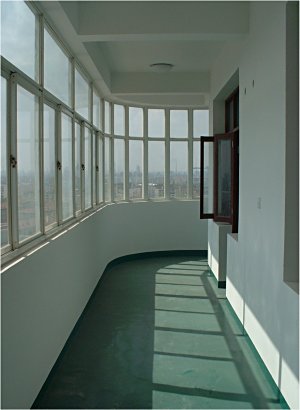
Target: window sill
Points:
(234, 236)
(293, 285)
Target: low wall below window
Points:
(44, 294)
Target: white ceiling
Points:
(117, 41)
(136, 56)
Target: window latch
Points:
(58, 165)
(82, 167)
(13, 161)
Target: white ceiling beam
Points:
(167, 100)
(85, 38)
(160, 83)
(123, 18)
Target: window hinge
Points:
(13, 161)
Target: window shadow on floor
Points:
(157, 333)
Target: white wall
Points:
(45, 293)
(217, 248)
(255, 285)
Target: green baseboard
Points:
(222, 284)
(157, 254)
(260, 361)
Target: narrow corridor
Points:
(158, 333)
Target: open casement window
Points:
(206, 181)
(224, 179)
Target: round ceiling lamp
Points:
(162, 67)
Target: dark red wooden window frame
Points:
(221, 137)
(203, 215)
(232, 133)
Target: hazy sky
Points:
(18, 35)
(18, 45)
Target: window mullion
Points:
(167, 153)
(95, 168)
(12, 147)
(41, 163)
(72, 68)
(58, 165)
(112, 188)
(145, 151)
(73, 165)
(14, 169)
(41, 49)
(82, 142)
(190, 154)
(126, 177)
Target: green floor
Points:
(158, 333)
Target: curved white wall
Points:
(44, 294)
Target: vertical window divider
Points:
(190, 153)
(101, 135)
(111, 144)
(91, 113)
(58, 161)
(13, 154)
(6, 76)
(72, 68)
(126, 177)
(11, 151)
(104, 149)
(167, 153)
(96, 166)
(82, 173)
(101, 164)
(73, 164)
(145, 156)
(41, 49)
(38, 46)
(91, 118)
(41, 162)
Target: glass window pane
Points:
(135, 169)
(57, 69)
(156, 123)
(94, 168)
(87, 168)
(196, 169)
(66, 167)
(4, 189)
(28, 164)
(107, 170)
(178, 124)
(201, 123)
(107, 117)
(178, 169)
(136, 122)
(49, 167)
(97, 110)
(77, 167)
(156, 169)
(208, 178)
(82, 95)
(19, 36)
(100, 162)
(224, 177)
(119, 165)
(119, 120)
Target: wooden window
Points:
(225, 169)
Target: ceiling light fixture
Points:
(162, 67)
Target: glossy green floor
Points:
(158, 333)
